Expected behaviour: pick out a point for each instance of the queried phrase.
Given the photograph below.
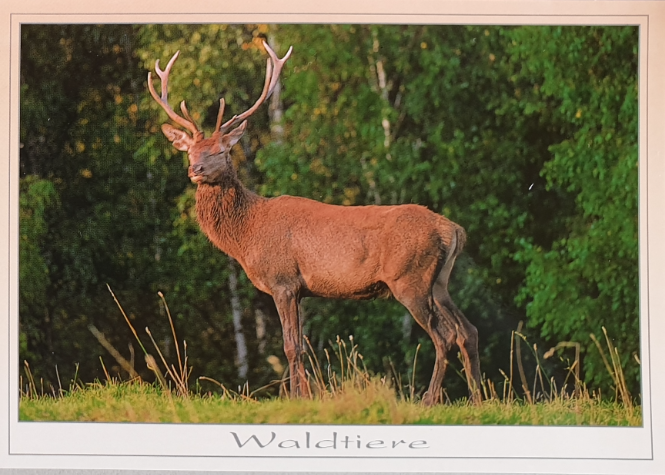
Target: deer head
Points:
(209, 159)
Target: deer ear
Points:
(180, 139)
(230, 139)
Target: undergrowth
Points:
(341, 391)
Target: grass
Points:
(341, 391)
(144, 402)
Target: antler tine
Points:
(220, 114)
(185, 112)
(278, 64)
(187, 122)
(273, 69)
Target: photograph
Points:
(477, 184)
(393, 241)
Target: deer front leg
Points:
(286, 302)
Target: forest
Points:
(527, 136)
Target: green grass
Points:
(375, 404)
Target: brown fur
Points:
(292, 247)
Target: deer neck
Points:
(224, 212)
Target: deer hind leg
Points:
(286, 302)
(466, 335)
(466, 338)
(422, 310)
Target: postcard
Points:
(333, 238)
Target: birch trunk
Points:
(276, 108)
(260, 320)
(236, 311)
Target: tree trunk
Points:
(276, 108)
(382, 87)
(260, 320)
(236, 311)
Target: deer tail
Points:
(459, 238)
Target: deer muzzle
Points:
(195, 173)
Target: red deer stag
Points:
(292, 247)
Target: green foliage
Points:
(588, 277)
(36, 196)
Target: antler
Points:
(273, 70)
(187, 122)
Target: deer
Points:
(293, 247)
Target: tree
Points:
(588, 277)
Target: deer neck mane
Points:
(223, 211)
